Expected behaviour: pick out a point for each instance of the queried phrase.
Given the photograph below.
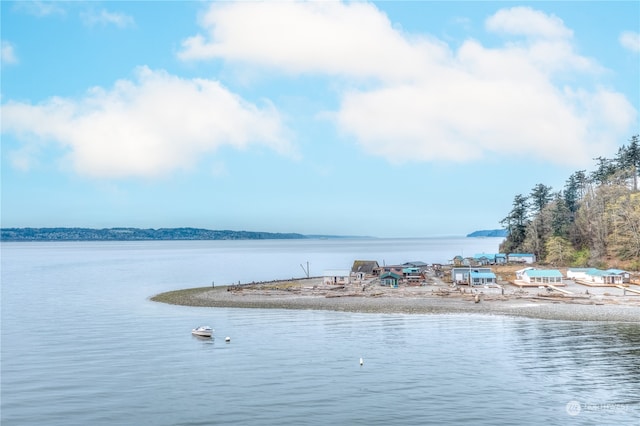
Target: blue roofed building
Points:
(473, 276)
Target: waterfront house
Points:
(521, 257)
(457, 260)
(542, 276)
(363, 269)
(597, 276)
(413, 274)
(390, 279)
(501, 258)
(462, 275)
(336, 277)
(484, 259)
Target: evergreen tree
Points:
(574, 190)
(606, 168)
(516, 223)
(537, 230)
(540, 197)
(561, 217)
(628, 160)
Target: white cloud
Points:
(333, 38)
(528, 22)
(8, 55)
(104, 17)
(428, 102)
(147, 127)
(630, 40)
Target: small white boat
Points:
(202, 331)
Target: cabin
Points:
(390, 279)
(413, 274)
(484, 259)
(363, 269)
(501, 258)
(336, 277)
(542, 276)
(597, 276)
(521, 258)
(464, 275)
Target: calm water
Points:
(83, 345)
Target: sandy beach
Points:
(435, 298)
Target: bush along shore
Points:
(430, 298)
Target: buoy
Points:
(227, 339)
(361, 361)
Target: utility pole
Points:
(306, 271)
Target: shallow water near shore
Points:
(82, 344)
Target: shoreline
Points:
(310, 294)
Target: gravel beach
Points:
(429, 299)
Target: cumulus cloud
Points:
(333, 38)
(414, 98)
(147, 127)
(8, 54)
(630, 40)
(104, 18)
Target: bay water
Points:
(82, 344)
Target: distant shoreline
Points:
(145, 234)
(311, 294)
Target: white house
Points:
(597, 276)
(521, 257)
(336, 276)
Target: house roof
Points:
(599, 273)
(468, 269)
(390, 275)
(543, 273)
(483, 275)
(416, 264)
(521, 255)
(616, 271)
(485, 255)
(366, 266)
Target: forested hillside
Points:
(593, 221)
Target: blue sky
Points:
(388, 119)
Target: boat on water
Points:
(202, 331)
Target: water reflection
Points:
(593, 363)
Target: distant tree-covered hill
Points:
(135, 234)
(489, 233)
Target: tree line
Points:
(592, 221)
